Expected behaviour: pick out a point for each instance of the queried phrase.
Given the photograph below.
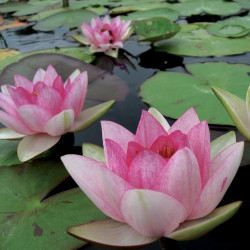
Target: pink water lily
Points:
(105, 35)
(44, 109)
(161, 176)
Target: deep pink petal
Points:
(180, 178)
(226, 165)
(50, 76)
(60, 123)
(149, 129)
(39, 76)
(188, 120)
(23, 82)
(145, 168)
(20, 96)
(59, 86)
(152, 213)
(199, 139)
(76, 95)
(34, 117)
(7, 104)
(14, 123)
(102, 186)
(133, 150)
(117, 133)
(116, 158)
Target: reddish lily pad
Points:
(43, 221)
(102, 86)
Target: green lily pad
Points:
(209, 7)
(159, 12)
(233, 27)
(78, 53)
(69, 18)
(155, 29)
(138, 7)
(12, 6)
(244, 3)
(46, 13)
(102, 86)
(27, 220)
(28, 10)
(194, 40)
(8, 153)
(193, 229)
(173, 93)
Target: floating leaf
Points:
(13, 24)
(46, 13)
(7, 53)
(43, 221)
(159, 12)
(28, 10)
(78, 53)
(173, 93)
(194, 229)
(138, 7)
(210, 7)
(69, 18)
(194, 40)
(244, 3)
(233, 27)
(12, 6)
(102, 86)
(155, 29)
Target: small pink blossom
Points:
(159, 177)
(105, 35)
(42, 109)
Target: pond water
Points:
(134, 68)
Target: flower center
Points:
(166, 152)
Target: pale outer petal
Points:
(60, 123)
(152, 213)
(220, 180)
(39, 76)
(160, 118)
(102, 186)
(188, 120)
(180, 178)
(117, 133)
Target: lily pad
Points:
(27, 220)
(194, 40)
(69, 18)
(159, 12)
(78, 53)
(7, 53)
(28, 10)
(233, 27)
(12, 6)
(46, 13)
(155, 29)
(173, 93)
(244, 3)
(102, 86)
(138, 7)
(210, 7)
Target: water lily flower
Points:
(42, 110)
(237, 109)
(154, 181)
(105, 35)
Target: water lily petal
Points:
(152, 213)
(110, 233)
(102, 186)
(236, 108)
(116, 158)
(19, 96)
(180, 178)
(117, 133)
(7, 104)
(188, 120)
(88, 116)
(159, 117)
(223, 169)
(39, 76)
(199, 139)
(148, 130)
(145, 168)
(9, 134)
(23, 82)
(60, 123)
(14, 123)
(34, 117)
(33, 145)
(50, 76)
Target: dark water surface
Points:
(134, 69)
